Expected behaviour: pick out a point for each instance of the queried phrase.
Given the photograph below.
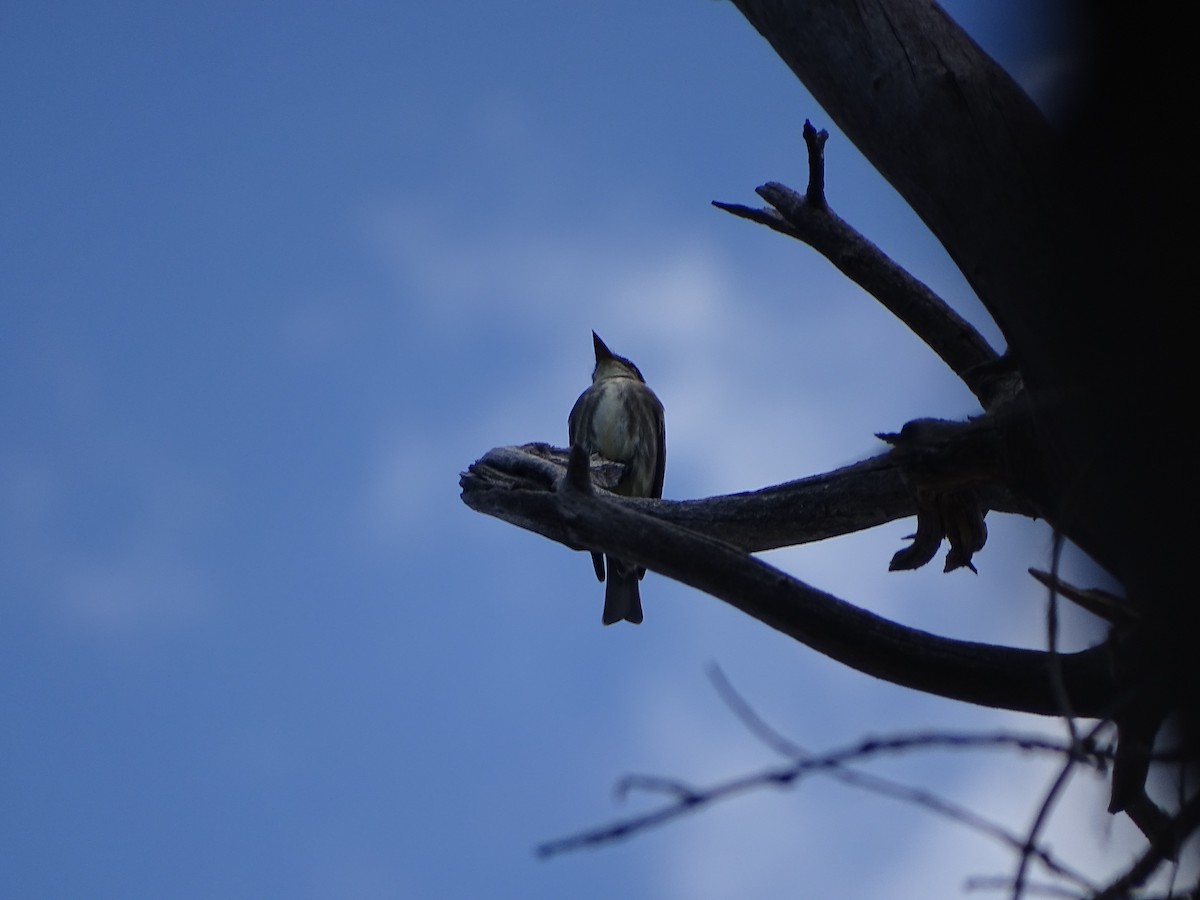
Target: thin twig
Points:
(889, 788)
(1054, 659)
(1003, 883)
(749, 717)
(1182, 826)
(809, 219)
(688, 799)
(1029, 846)
(815, 141)
(1102, 604)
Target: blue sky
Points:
(271, 279)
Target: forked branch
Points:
(683, 799)
(571, 511)
(808, 218)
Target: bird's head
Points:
(609, 365)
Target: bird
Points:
(621, 419)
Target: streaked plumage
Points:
(620, 418)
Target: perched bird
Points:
(620, 418)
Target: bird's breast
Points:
(612, 424)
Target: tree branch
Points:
(568, 510)
(1019, 211)
(516, 483)
(946, 126)
(1181, 826)
(686, 799)
(513, 484)
(808, 218)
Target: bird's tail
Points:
(622, 599)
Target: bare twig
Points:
(1182, 826)
(1102, 604)
(750, 719)
(1056, 675)
(949, 129)
(1003, 883)
(889, 788)
(815, 141)
(1074, 756)
(1090, 753)
(683, 793)
(686, 799)
(808, 218)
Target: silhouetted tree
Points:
(1066, 236)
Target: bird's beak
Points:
(602, 351)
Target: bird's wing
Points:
(574, 418)
(660, 464)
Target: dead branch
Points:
(808, 218)
(1180, 827)
(570, 511)
(511, 483)
(1102, 604)
(930, 456)
(946, 126)
(686, 798)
